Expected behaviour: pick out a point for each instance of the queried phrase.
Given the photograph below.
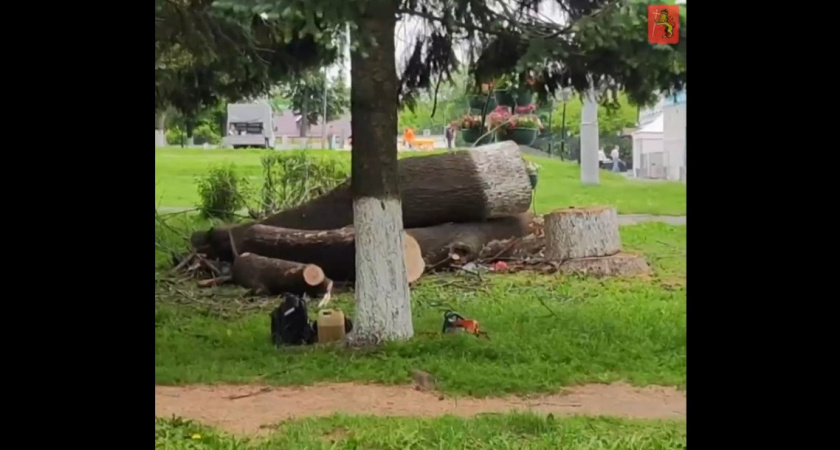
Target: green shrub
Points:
(222, 193)
(292, 178)
(174, 136)
(205, 134)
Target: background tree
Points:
(205, 55)
(611, 120)
(209, 126)
(305, 94)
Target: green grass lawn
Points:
(546, 332)
(490, 432)
(559, 186)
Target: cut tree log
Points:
(270, 276)
(581, 233)
(462, 186)
(334, 251)
(463, 242)
(620, 264)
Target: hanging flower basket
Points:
(524, 97)
(523, 129)
(478, 102)
(504, 97)
(471, 136)
(523, 136)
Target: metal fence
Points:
(653, 165)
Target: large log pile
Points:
(454, 204)
(466, 186)
(461, 207)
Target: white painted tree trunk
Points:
(384, 300)
(589, 173)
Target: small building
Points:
(659, 142)
(287, 129)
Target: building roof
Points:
(657, 125)
(286, 124)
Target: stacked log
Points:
(466, 186)
(334, 251)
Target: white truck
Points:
(249, 125)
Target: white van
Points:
(249, 125)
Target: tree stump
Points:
(581, 233)
(626, 264)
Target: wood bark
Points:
(334, 251)
(463, 242)
(581, 233)
(436, 244)
(270, 276)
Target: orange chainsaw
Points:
(454, 322)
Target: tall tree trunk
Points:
(190, 125)
(382, 293)
(160, 129)
(304, 121)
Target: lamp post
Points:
(589, 139)
(324, 112)
(565, 95)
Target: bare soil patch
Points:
(249, 409)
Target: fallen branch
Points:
(212, 282)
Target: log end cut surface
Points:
(313, 275)
(414, 264)
(620, 264)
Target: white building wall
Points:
(674, 136)
(662, 155)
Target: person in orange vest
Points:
(408, 136)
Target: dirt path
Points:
(246, 409)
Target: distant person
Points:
(614, 155)
(408, 137)
(602, 156)
(450, 134)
